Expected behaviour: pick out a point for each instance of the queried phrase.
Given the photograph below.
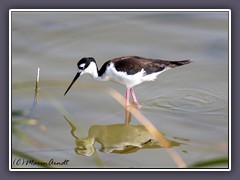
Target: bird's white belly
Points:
(128, 80)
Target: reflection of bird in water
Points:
(116, 138)
(129, 71)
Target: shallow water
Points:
(189, 104)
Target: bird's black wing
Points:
(134, 64)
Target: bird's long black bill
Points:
(75, 78)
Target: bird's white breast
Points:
(128, 80)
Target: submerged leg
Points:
(127, 114)
(135, 99)
(127, 97)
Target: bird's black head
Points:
(85, 62)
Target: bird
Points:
(127, 70)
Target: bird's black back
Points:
(133, 64)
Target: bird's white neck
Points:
(92, 69)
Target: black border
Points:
(170, 4)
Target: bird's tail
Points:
(179, 63)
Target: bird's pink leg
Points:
(127, 114)
(135, 99)
(127, 97)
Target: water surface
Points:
(189, 104)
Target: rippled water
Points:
(190, 101)
(188, 104)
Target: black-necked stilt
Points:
(128, 70)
